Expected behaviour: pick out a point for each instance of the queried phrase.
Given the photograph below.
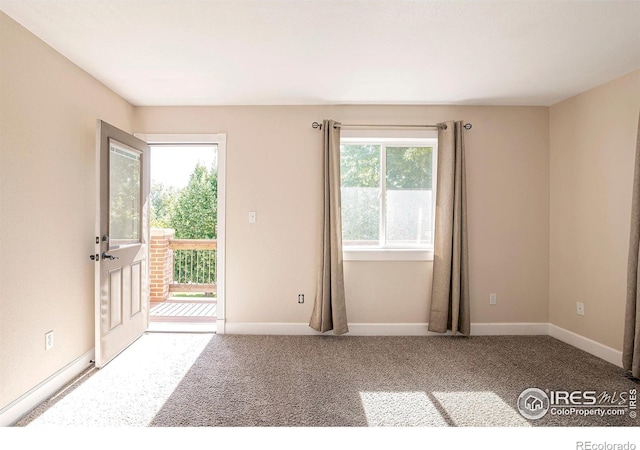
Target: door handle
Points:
(105, 255)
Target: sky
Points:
(173, 165)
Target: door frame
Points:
(220, 140)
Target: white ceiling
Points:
(259, 52)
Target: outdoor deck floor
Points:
(183, 310)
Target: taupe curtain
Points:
(450, 288)
(631, 346)
(329, 309)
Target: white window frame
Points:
(393, 138)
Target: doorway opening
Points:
(184, 250)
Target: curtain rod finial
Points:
(467, 126)
(316, 125)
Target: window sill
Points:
(379, 254)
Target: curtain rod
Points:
(467, 126)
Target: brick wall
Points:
(161, 263)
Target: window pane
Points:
(409, 167)
(124, 195)
(360, 181)
(409, 196)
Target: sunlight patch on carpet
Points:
(401, 409)
(479, 409)
(131, 389)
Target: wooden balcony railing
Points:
(194, 265)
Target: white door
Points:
(121, 242)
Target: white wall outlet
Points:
(253, 217)
(48, 340)
(580, 308)
(493, 299)
(300, 298)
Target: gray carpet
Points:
(329, 381)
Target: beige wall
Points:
(593, 138)
(549, 209)
(274, 168)
(48, 109)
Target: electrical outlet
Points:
(48, 340)
(300, 298)
(493, 299)
(253, 217)
(580, 308)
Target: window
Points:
(388, 193)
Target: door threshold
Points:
(181, 327)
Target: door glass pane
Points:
(360, 186)
(409, 196)
(124, 194)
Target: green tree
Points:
(360, 165)
(194, 213)
(409, 167)
(162, 199)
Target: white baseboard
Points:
(289, 329)
(588, 345)
(303, 329)
(390, 329)
(220, 326)
(387, 329)
(510, 329)
(15, 410)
